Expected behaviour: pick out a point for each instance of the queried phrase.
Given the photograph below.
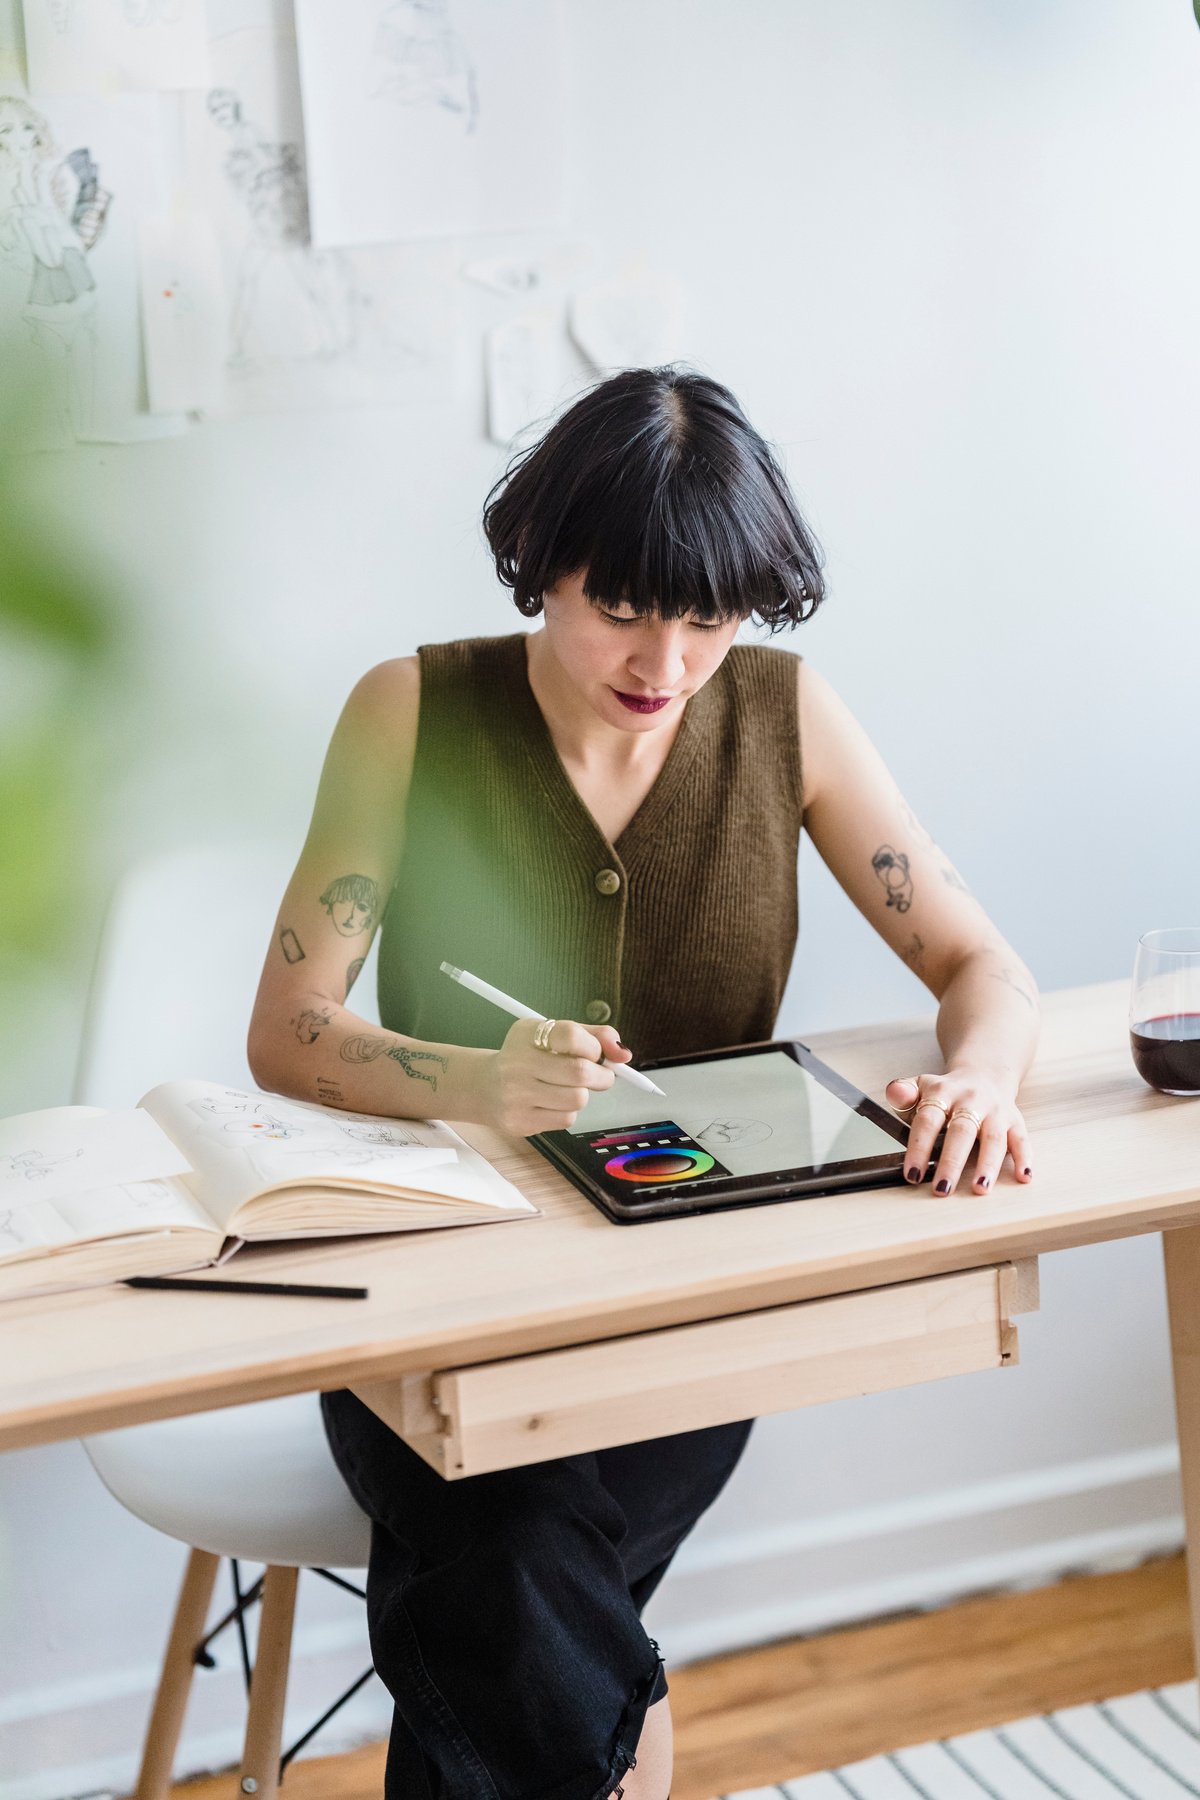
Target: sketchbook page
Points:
(103, 46)
(75, 176)
(417, 117)
(302, 326)
(239, 1142)
(63, 1151)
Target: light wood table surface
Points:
(1110, 1157)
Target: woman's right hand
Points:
(526, 1090)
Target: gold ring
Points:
(936, 1104)
(964, 1112)
(541, 1035)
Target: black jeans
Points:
(505, 1609)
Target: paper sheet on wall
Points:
(303, 326)
(52, 1155)
(183, 313)
(104, 46)
(529, 372)
(75, 175)
(630, 321)
(427, 118)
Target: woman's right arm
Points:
(303, 1040)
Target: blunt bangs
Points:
(658, 487)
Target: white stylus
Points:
(519, 1010)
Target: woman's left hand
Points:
(952, 1098)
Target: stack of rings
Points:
(951, 1118)
(541, 1035)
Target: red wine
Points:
(1166, 1052)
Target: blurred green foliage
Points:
(59, 635)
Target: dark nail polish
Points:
(981, 1181)
(1029, 1171)
(943, 1187)
(912, 1174)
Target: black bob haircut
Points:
(657, 484)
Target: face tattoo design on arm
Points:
(352, 902)
(891, 866)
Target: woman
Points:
(602, 818)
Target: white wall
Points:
(947, 256)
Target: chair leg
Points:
(174, 1684)
(268, 1688)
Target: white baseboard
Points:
(724, 1593)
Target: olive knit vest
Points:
(680, 933)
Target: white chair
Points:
(174, 982)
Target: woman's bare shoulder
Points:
(379, 720)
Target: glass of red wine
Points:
(1164, 1009)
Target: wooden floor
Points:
(812, 1703)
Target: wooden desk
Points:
(1111, 1159)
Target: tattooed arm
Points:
(304, 1040)
(907, 888)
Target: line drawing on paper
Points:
(390, 1137)
(8, 1230)
(240, 1116)
(62, 14)
(52, 213)
(419, 60)
(34, 1165)
(289, 299)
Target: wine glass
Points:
(1164, 1009)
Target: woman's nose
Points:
(658, 660)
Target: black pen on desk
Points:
(196, 1285)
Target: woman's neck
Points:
(584, 741)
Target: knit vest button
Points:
(608, 881)
(597, 1012)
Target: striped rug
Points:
(1142, 1746)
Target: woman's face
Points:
(19, 136)
(636, 673)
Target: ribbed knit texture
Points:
(501, 858)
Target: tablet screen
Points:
(753, 1114)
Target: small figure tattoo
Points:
(891, 866)
(362, 1049)
(309, 1023)
(352, 902)
(353, 973)
(289, 943)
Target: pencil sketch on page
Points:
(305, 325)
(73, 176)
(417, 117)
(419, 59)
(107, 46)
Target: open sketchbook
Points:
(196, 1168)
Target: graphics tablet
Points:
(737, 1128)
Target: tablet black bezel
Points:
(726, 1192)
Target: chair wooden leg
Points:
(174, 1684)
(268, 1688)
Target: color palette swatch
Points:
(653, 1155)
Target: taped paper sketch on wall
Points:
(96, 46)
(289, 299)
(304, 325)
(420, 60)
(52, 212)
(417, 114)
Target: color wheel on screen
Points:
(659, 1164)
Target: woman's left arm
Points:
(889, 865)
